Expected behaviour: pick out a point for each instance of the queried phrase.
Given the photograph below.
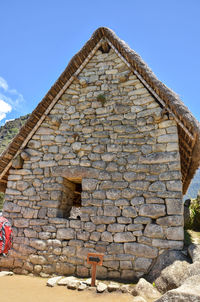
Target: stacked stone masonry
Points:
(108, 134)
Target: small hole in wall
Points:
(105, 47)
(101, 98)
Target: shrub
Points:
(195, 214)
(193, 223)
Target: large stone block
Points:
(174, 185)
(154, 231)
(115, 248)
(29, 192)
(113, 194)
(124, 220)
(174, 220)
(12, 192)
(38, 244)
(137, 200)
(106, 236)
(152, 210)
(112, 264)
(29, 213)
(65, 269)
(188, 291)
(21, 223)
(168, 138)
(30, 233)
(11, 207)
(128, 193)
(124, 237)
(82, 235)
(89, 184)
(103, 219)
(89, 227)
(160, 157)
(95, 236)
(35, 259)
(140, 185)
(112, 211)
(157, 186)
(167, 244)
(69, 251)
(129, 212)
(174, 206)
(135, 227)
(175, 233)
(116, 227)
(142, 264)
(65, 234)
(140, 250)
(22, 185)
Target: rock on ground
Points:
(5, 273)
(138, 299)
(175, 275)
(88, 282)
(125, 288)
(113, 287)
(66, 280)
(145, 290)
(194, 252)
(101, 287)
(189, 291)
(53, 281)
(164, 260)
(82, 286)
(73, 284)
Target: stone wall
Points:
(108, 133)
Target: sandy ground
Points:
(33, 289)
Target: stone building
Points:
(100, 166)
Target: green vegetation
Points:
(194, 219)
(195, 213)
(191, 237)
(9, 130)
(1, 200)
(194, 186)
(101, 98)
(7, 133)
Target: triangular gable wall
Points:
(188, 126)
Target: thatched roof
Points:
(188, 126)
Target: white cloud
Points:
(10, 100)
(4, 109)
(12, 119)
(3, 84)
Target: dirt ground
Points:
(33, 289)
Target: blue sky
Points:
(38, 38)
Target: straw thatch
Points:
(188, 126)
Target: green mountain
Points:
(9, 130)
(194, 186)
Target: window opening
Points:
(70, 202)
